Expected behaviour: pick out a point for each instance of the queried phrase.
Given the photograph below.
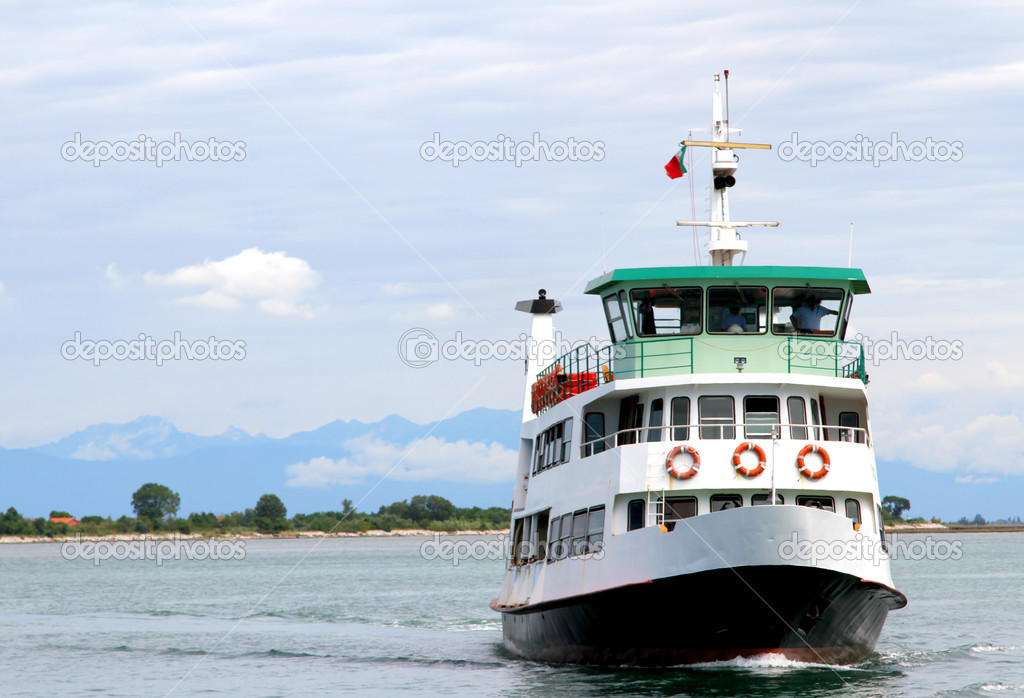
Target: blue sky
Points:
(332, 236)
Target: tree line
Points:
(156, 507)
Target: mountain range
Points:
(96, 470)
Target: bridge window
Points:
(758, 500)
(806, 310)
(614, 309)
(760, 417)
(666, 311)
(717, 417)
(737, 309)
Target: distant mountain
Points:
(95, 470)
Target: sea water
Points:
(385, 616)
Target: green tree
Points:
(153, 501)
(55, 514)
(270, 513)
(895, 506)
(430, 508)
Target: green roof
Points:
(676, 275)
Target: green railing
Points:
(586, 367)
(837, 357)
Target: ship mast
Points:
(724, 243)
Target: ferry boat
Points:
(704, 487)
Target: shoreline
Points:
(294, 535)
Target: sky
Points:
(300, 225)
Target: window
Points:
(760, 417)
(881, 527)
(657, 417)
(817, 502)
(517, 540)
(554, 533)
(594, 437)
(737, 309)
(636, 514)
(797, 415)
(616, 316)
(851, 420)
(816, 419)
(853, 510)
(666, 311)
(579, 533)
(720, 502)
(631, 416)
(565, 540)
(540, 535)
(759, 500)
(717, 417)
(553, 446)
(680, 416)
(595, 530)
(806, 310)
(678, 508)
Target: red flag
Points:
(674, 169)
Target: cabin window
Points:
(797, 416)
(816, 420)
(720, 502)
(852, 432)
(636, 514)
(678, 508)
(579, 532)
(737, 309)
(666, 311)
(615, 312)
(554, 533)
(680, 418)
(517, 540)
(594, 438)
(595, 530)
(759, 500)
(881, 527)
(853, 510)
(760, 417)
(553, 446)
(817, 502)
(565, 540)
(806, 310)
(657, 417)
(717, 417)
(631, 420)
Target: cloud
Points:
(275, 281)
(988, 444)
(972, 480)
(437, 312)
(424, 459)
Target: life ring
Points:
(805, 470)
(670, 465)
(748, 472)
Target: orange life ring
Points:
(670, 465)
(821, 472)
(748, 472)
